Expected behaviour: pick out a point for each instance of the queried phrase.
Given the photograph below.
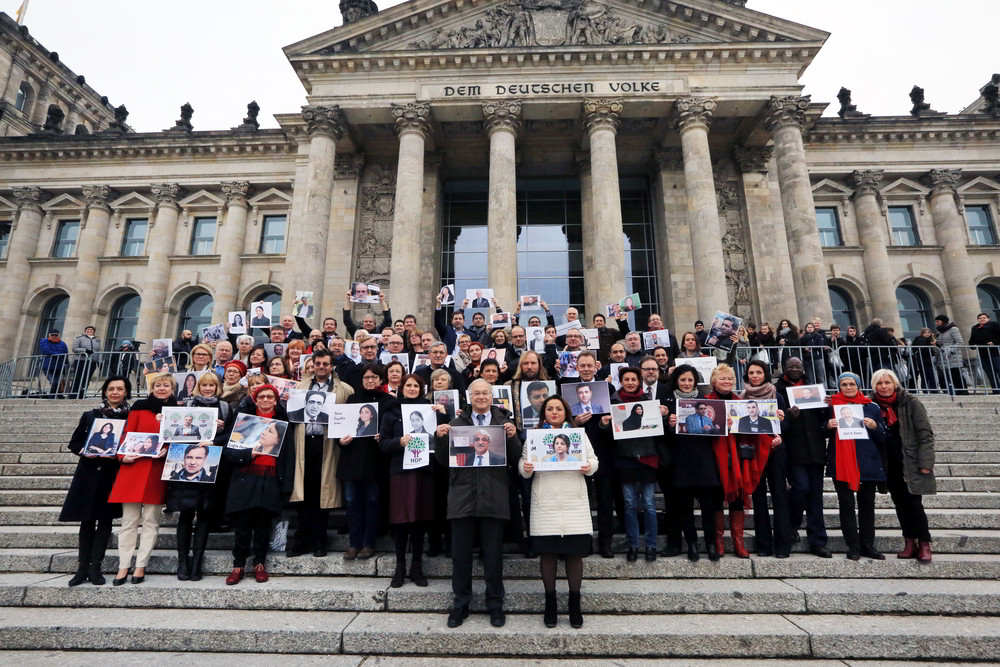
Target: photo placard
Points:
(535, 339)
(807, 396)
(584, 397)
(567, 364)
(556, 449)
(188, 424)
(701, 416)
(163, 348)
(654, 339)
(275, 349)
(365, 293)
(264, 436)
(308, 406)
(214, 333)
(449, 399)
(564, 328)
(477, 446)
(448, 295)
(284, 386)
(640, 419)
(479, 297)
(187, 383)
(724, 326)
(357, 420)
(418, 418)
(616, 381)
(104, 436)
(193, 463)
(237, 322)
(612, 311)
(421, 360)
(165, 365)
(140, 444)
(501, 320)
(850, 422)
(496, 353)
(260, 315)
(302, 305)
(387, 358)
(629, 303)
(533, 394)
(531, 301)
(754, 417)
(593, 338)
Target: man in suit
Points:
(188, 429)
(312, 412)
(194, 466)
(753, 423)
(536, 392)
(584, 397)
(483, 456)
(259, 321)
(847, 419)
(480, 301)
(700, 423)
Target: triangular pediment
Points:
(904, 187)
(202, 198)
(441, 25)
(62, 202)
(980, 185)
(831, 188)
(271, 196)
(133, 200)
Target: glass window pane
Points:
(134, 242)
(843, 308)
(274, 298)
(124, 319)
(989, 301)
(904, 229)
(66, 235)
(829, 228)
(914, 310)
(203, 236)
(4, 239)
(53, 317)
(981, 230)
(272, 240)
(196, 314)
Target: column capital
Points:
(99, 196)
(348, 165)
(412, 117)
(325, 120)
(942, 180)
(236, 192)
(753, 159)
(691, 112)
(865, 181)
(581, 163)
(30, 197)
(502, 115)
(602, 113)
(669, 159)
(167, 194)
(783, 111)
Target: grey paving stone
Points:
(913, 596)
(156, 658)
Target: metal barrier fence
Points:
(77, 375)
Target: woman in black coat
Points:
(87, 499)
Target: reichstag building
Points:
(578, 149)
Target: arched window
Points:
(25, 96)
(81, 129)
(274, 298)
(914, 310)
(124, 318)
(196, 314)
(989, 301)
(53, 317)
(843, 308)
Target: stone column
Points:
(159, 247)
(502, 120)
(42, 101)
(23, 243)
(233, 228)
(339, 248)
(93, 235)
(326, 125)
(678, 290)
(413, 125)
(591, 275)
(785, 118)
(602, 116)
(953, 237)
(692, 117)
(875, 241)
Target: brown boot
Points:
(924, 552)
(736, 531)
(909, 550)
(720, 533)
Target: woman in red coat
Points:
(138, 486)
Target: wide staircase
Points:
(759, 611)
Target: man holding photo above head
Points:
(368, 321)
(607, 336)
(478, 501)
(480, 301)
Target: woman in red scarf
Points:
(857, 467)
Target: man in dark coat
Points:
(987, 335)
(437, 354)
(877, 336)
(478, 500)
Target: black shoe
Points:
(417, 573)
(81, 575)
(632, 555)
(456, 616)
(795, 537)
(713, 554)
(671, 551)
(575, 613)
(118, 582)
(693, 553)
(398, 576)
(294, 552)
(650, 554)
(183, 567)
(819, 550)
(781, 553)
(872, 552)
(551, 610)
(319, 553)
(497, 618)
(138, 580)
(764, 553)
(853, 554)
(95, 576)
(197, 563)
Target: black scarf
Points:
(108, 412)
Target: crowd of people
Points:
(551, 514)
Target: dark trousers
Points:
(807, 496)
(311, 533)
(361, 497)
(858, 529)
(605, 490)
(710, 501)
(463, 537)
(252, 536)
(773, 479)
(909, 507)
(185, 528)
(989, 357)
(672, 517)
(94, 539)
(957, 382)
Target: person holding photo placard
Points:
(561, 523)
(87, 498)
(368, 320)
(857, 467)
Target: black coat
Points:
(694, 462)
(802, 434)
(249, 491)
(391, 432)
(361, 459)
(183, 496)
(87, 499)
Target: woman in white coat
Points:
(560, 515)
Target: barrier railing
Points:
(76, 375)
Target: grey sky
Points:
(218, 55)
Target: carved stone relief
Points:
(734, 250)
(374, 242)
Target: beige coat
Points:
(331, 495)
(559, 501)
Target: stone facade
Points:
(701, 98)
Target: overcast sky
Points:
(154, 56)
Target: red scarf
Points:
(888, 406)
(739, 477)
(846, 455)
(801, 381)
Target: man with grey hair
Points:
(223, 355)
(438, 353)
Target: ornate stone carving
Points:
(183, 124)
(54, 120)
(734, 244)
(783, 111)
(942, 180)
(753, 159)
(412, 117)
(30, 197)
(328, 120)
(99, 196)
(236, 192)
(848, 111)
(250, 123)
(602, 113)
(502, 115)
(692, 112)
(921, 109)
(355, 10)
(518, 23)
(118, 126)
(865, 181)
(991, 93)
(374, 242)
(669, 159)
(167, 193)
(348, 165)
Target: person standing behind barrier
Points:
(950, 341)
(987, 335)
(878, 337)
(924, 353)
(84, 346)
(813, 341)
(54, 353)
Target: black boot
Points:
(417, 573)
(183, 550)
(399, 575)
(575, 613)
(198, 550)
(550, 617)
(95, 576)
(81, 574)
(87, 530)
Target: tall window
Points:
(272, 239)
(981, 231)
(53, 317)
(904, 228)
(640, 250)
(989, 301)
(134, 240)
(124, 319)
(4, 239)
(23, 98)
(914, 310)
(203, 236)
(829, 227)
(274, 298)
(843, 308)
(66, 236)
(196, 314)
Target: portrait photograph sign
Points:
(636, 420)
(531, 301)
(263, 435)
(283, 385)
(807, 396)
(306, 406)
(612, 311)
(449, 399)
(501, 320)
(616, 381)
(534, 338)
(448, 295)
(187, 383)
(850, 422)
(352, 350)
(701, 416)
(164, 365)
(702, 365)
(629, 303)
(140, 444)
(357, 420)
(556, 449)
(533, 394)
(387, 358)
(502, 397)
(105, 434)
(477, 446)
(495, 353)
(584, 397)
(214, 333)
(365, 293)
(188, 424)
(421, 360)
(418, 418)
(479, 298)
(260, 314)
(724, 326)
(654, 339)
(567, 364)
(162, 349)
(417, 451)
(754, 417)
(194, 463)
(592, 337)
(275, 349)
(237, 322)
(302, 305)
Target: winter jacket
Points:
(559, 501)
(949, 336)
(870, 453)
(914, 435)
(87, 498)
(139, 481)
(802, 434)
(53, 354)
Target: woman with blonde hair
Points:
(201, 357)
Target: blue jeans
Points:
(634, 492)
(362, 512)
